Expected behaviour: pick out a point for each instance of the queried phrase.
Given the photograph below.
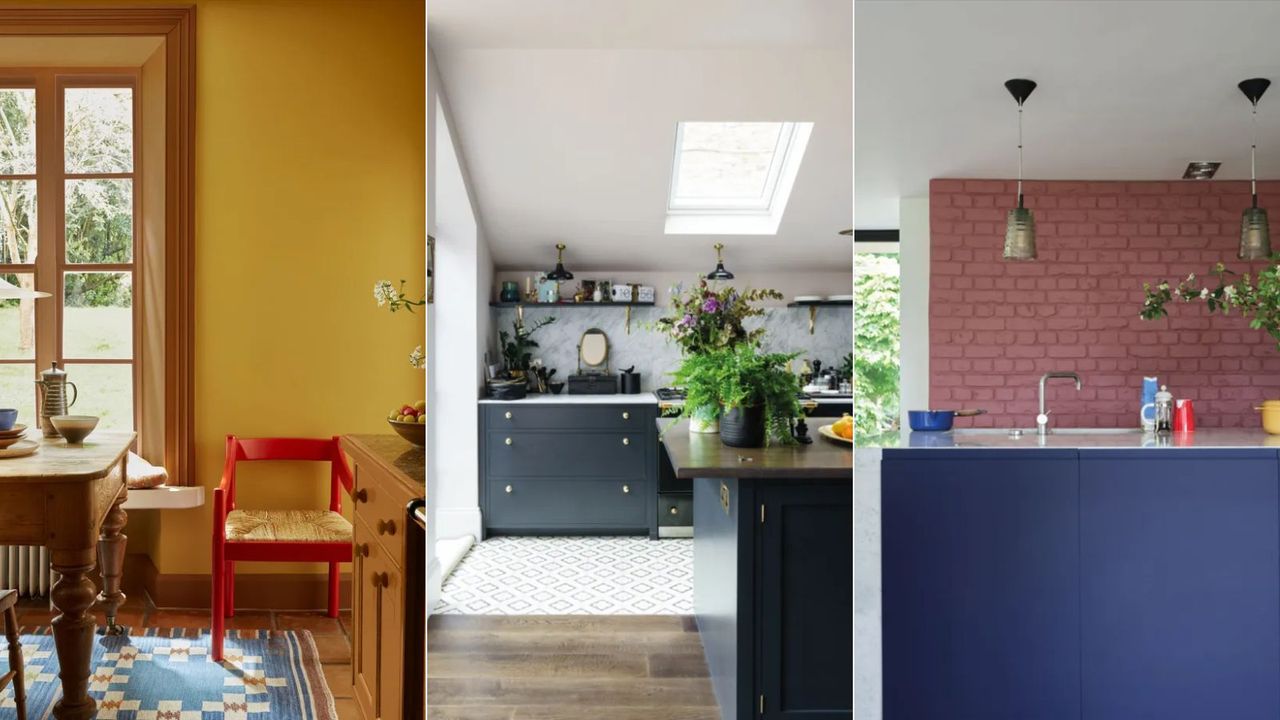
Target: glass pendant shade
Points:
(1255, 235)
(560, 274)
(1020, 235)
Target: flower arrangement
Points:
(1256, 298)
(721, 380)
(707, 319)
(388, 296)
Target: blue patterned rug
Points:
(166, 674)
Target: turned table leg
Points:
(73, 632)
(111, 549)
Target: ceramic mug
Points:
(8, 416)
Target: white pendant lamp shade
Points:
(9, 291)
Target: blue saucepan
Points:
(937, 420)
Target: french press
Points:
(51, 396)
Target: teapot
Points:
(51, 397)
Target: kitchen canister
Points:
(644, 294)
(621, 292)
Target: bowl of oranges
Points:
(410, 422)
(840, 431)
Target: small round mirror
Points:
(593, 349)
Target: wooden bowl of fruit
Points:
(410, 423)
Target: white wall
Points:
(913, 239)
(458, 331)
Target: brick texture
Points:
(995, 327)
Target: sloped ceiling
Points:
(1128, 90)
(566, 113)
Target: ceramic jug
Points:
(51, 397)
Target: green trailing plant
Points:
(1256, 298)
(517, 345)
(741, 376)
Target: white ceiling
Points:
(566, 113)
(1128, 90)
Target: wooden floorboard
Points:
(566, 668)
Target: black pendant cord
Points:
(1253, 152)
(1019, 154)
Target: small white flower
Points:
(383, 292)
(1191, 278)
(1204, 293)
(1164, 286)
(1177, 292)
(1229, 291)
(417, 358)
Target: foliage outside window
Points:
(877, 343)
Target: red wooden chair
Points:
(276, 535)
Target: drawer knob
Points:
(386, 527)
(508, 489)
(380, 580)
(508, 415)
(626, 415)
(626, 488)
(508, 441)
(674, 510)
(362, 550)
(626, 441)
(361, 495)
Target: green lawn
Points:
(105, 390)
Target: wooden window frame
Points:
(176, 25)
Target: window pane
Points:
(876, 344)
(18, 390)
(17, 221)
(99, 221)
(97, 315)
(18, 131)
(725, 160)
(99, 130)
(105, 391)
(18, 322)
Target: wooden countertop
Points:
(704, 456)
(393, 453)
(56, 461)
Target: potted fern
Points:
(752, 393)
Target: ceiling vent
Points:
(1201, 170)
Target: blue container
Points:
(8, 416)
(930, 420)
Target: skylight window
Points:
(733, 177)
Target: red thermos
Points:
(1184, 416)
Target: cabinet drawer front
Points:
(675, 510)
(514, 416)
(380, 504)
(572, 504)
(566, 454)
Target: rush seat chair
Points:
(276, 535)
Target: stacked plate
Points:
(12, 444)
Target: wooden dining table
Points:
(67, 498)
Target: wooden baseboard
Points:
(268, 591)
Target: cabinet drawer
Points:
(514, 416)
(675, 510)
(380, 504)
(566, 454)
(568, 504)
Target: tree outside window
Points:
(876, 343)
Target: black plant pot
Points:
(743, 427)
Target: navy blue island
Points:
(773, 573)
(1108, 576)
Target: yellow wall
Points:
(309, 187)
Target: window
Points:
(68, 209)
(876, 339)
(733, 177)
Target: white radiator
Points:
(25, 568)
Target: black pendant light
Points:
(719, 273)
(1255, 233)
(560, 273)
(1020, 228)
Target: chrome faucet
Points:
(1042, 420)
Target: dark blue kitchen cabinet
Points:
(805, 608)
(981, 584)
(1180, 589)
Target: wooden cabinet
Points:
(386, 482)
(568, 468)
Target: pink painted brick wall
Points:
(995, 327)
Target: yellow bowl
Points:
(1270, 416)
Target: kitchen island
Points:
(1094, 575)
(773, 592)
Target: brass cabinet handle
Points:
(674, 510)
(362, 550)
(386, 527)
(508, 441)
(626, 488)
(626, 441)
(380, 580)
(361, 495)
(508, 414)
(508, 489)
(626, 415)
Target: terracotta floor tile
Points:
(338, 677)
(346, 709)
(36, 616)
(251, 620)
(179, 619)
(317, 622)
(333, 648)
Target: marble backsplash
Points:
(653, 355)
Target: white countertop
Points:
(564, 398)
(1082, 438)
